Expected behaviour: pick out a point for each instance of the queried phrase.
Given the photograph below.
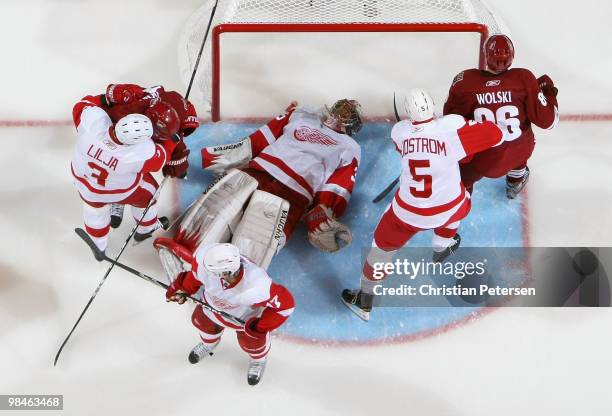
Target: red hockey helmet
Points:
(499, 53)
(165, 120)
(185, 111)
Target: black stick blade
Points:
(386, 191)
(98, 254)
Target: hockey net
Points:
(256, 17)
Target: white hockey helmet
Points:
(419, 105)
(133, 129)
(222, 259)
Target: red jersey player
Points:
(232, 284)
(113, 162)
(513, 99)
(431, 194)
(302, 159)
(171, 114)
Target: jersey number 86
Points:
(505, 117)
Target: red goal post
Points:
(280, 16)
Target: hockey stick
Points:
(100, 256)
(193, 74)
(396, 180)
(386, 190)
(197, 64)
(397, 117)
(114, 262)
(108, 271)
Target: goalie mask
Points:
(223, 260)
(344, 115)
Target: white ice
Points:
(128, 355)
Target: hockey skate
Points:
(200, 351)
(440, 256)
(255, 371)
(514, 188)
(116, 212)
(358, 302)
(162, 222)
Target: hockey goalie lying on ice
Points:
(301, 164)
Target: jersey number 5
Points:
(99, 173)
(505, 117)
(427, 180)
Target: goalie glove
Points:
(222, 158)
(324, 232)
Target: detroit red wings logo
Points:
(222, 303)
(306, 134)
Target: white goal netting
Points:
(327, 15)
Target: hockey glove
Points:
(123, 93)
(324, 232)
(177, 166)
(152, 94)
(547, 86)
(176, 292)
(250, 328)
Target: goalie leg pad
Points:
(174, 257)
(260, 233)
(173, 266)
(216, 213)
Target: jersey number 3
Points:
(427, 180)
(505, 117)
(99, 173)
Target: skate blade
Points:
(253, 381)
(364, 315)
(149, 238)
(137, 243)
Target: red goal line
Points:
(62, 123)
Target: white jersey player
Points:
(112, 163)
(431, 194)
(232, 284)
(302, 159)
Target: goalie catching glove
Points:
(324, 232)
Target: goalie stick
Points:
(396, 180)
(113, 263)
(100, 256)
